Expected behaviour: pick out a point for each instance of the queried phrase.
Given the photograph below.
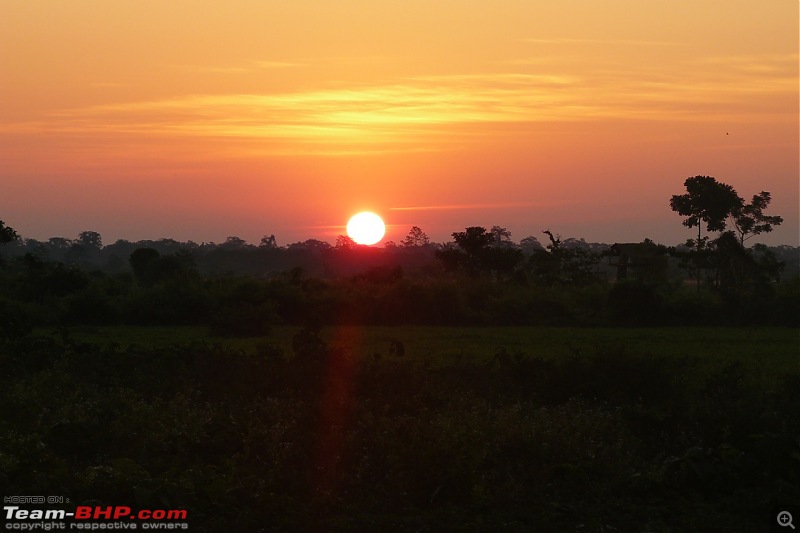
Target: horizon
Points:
(144, 121)
(281, 243)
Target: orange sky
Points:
(205, 119)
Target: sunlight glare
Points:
(366, 228)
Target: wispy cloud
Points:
(471, 207)
(106, 84)
(767, 65)
(372, 116)
(429, 113)
(242, 68)
(620, 42)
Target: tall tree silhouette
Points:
(750, 220)
(473, 239)
(416, 237)
(706, 200)
(475, 252)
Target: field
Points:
(411, 428)
(767, 352)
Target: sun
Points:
(366, 228)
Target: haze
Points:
(201, 120)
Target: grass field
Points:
(472, 429)
(766, 350)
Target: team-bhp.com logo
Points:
(93, 517)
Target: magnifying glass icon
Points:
(785, 519)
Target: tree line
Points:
(480, 277)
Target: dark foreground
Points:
(603, 437)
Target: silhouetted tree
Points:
(451, 257)
(143, 261)
(310, 245)
(150, 267)
(90, 239)
(562, 265)
(476, 252)
(474, 242)
(750, 220)
(59, 243)
(416, 237)
(343, 242)
(473, 239)
(771, 267)
(530, 244)
(179, 265)
(268, 242)
(502, 259)
(734, 267)
(555, 241)
(235, 243)
(501, 236)
(7, 234)
(706, 200)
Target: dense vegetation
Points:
(493, 282)
(604, 437)
(310, 394)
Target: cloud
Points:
(771, 66)
(593, 42)
(433, 113)
(106, 84)
(448, 207)
(244, 68)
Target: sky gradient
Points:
(201, 120)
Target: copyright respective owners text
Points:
(54, 513)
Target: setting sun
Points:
(239, 118)
(366, 228)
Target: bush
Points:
(14, 321)
(634, 304)
(244, 320)
(614, 439)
